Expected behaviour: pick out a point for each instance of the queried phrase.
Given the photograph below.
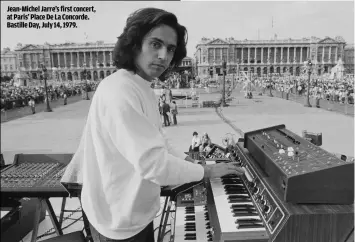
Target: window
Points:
(5, 67)
(11, 67)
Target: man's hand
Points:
(222, 169)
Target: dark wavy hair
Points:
(138, 25)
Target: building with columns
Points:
(8, 62)
(268, 56)
(68, 61)
(349, 59)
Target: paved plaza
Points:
(60, 131)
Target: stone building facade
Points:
(349, 59)
(69, 61)
(8, 62)
(268, 56)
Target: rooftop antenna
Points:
(258, 34)
(272, 27)
(272, 22)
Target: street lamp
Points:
(233, 71)
(309, 70)
(44, 72)
(270, 86)
(86, 83)
(224, 68)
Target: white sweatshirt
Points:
(125, 157)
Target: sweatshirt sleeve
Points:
(171, 149)
(142, 144)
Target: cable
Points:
(159, 226)
(220, 114)
(166, 233)
(161, 210)
(48, 232)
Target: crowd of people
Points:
(178, 79)
(323, 88)
(16, 97)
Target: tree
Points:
(5, 79)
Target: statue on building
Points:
(21, 79)
(337, 71)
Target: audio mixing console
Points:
(35, 176)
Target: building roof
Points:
(7, 51)
(66, 45)
(349, 47)
(307, 40)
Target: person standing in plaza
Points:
(65, 96)
(124, 156)
(166, 113)
(174, 111)
(32, 104)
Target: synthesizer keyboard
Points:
(286, 221)
(192, 224)
(237, 216)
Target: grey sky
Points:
(237, 19)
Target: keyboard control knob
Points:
(212, 230)
(255, 190)
(267, 209)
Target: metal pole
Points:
(233, 78)
(270, 86)
(87, 89)
(48, 108)
(307, 104)
(223, 103)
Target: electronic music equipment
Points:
(196, 195)
(34, 175)
(196, 155)
(191, 224)
(314, 138)
(282, 222)
(304, 172)
(191, 216)
(233, 215)
(174, 190)
(217, 152)
(18, 221)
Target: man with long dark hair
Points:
(124, 155)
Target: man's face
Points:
(158, 48)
